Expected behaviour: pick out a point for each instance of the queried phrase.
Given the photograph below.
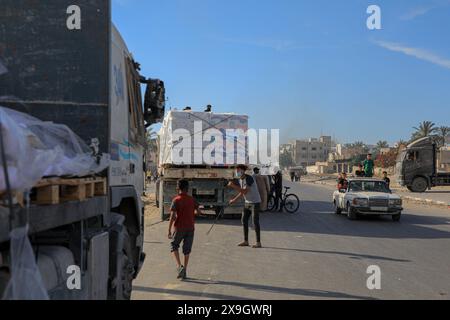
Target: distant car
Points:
(367, 196)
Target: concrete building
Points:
(308, 152)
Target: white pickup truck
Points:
(367, 196)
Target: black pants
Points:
(278, 195)
(251, 210)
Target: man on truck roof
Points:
(248, 189)
(369, 166)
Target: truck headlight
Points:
(395, 202)
(361, 202)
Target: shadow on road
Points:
(349, 254)
(318, 217)
(311, 293)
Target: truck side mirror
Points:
(154, 101)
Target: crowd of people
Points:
(365, 169)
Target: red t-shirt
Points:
(184, 206)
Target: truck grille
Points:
(378, 202)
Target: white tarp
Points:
(182, 126)
(36, 149)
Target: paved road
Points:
(312, 255)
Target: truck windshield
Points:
(368, 186)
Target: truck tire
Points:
(127, 273)
(419, 184)
(396, 217)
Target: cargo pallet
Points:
(53, 191)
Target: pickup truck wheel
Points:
(337, 210)
(419, 184)
(396, 217)
(351, 214)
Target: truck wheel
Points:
(351, 214)
(337, 210)
(419, 184)
(127, 273)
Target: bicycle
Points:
(289, 202)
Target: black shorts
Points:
(188, 239)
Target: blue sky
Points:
(305, 67)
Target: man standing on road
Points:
(278, 188)
(263, 188)
(248, 189)
(369, 166)
(182, 219)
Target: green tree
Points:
(152, 140)
(382, 144)
(286, 160)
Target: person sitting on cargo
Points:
(248, 189)
(182, 220)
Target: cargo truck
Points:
(208, 181)
(417, 169)
(65, 62)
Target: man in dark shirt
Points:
(360, 172)
(386, 179)
(278, 188)
(182, 220)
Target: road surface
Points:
(314, 254)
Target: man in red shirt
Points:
(182, 220)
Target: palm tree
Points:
(382, 144)
(443, 132)
(425, 129)
(401, 144)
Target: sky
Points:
(306, 67)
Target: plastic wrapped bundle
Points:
(36, 149)
(26, 281)
(194, 130)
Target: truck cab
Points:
(416, 166)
